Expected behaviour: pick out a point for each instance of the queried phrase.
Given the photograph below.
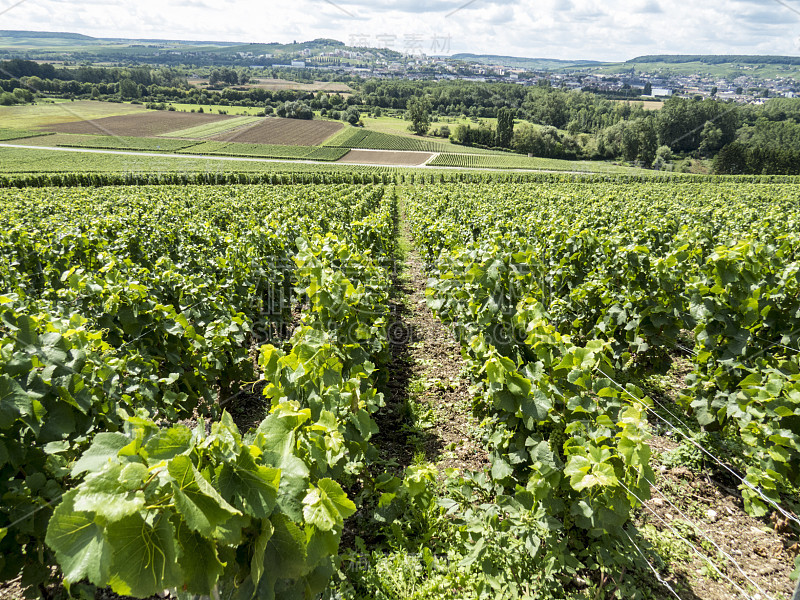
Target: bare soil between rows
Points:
(427, 371)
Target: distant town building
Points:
(660, 92)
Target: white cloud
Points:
(611, 30)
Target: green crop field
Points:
(117, 142)
(7, 135)
(34, 160)
(42, 114)
(353, 137)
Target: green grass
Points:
(107, 142)
(266, 151)
(210, 129)
(400, 126)
(516, 161)
(229, 110)
(362, 138)
(42, 114)
(387, 124)
(35, 160)
(371, 140)
(17, 134)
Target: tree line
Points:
(757, 139)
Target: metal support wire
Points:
(692, 441)
(653, 569)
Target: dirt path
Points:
(429, 405)
(386, 157)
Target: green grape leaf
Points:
(337, 496)
(198, 503)
(501, 469)
(536, 405)
(199, 562)
(168, 443)
(105, 447)
(259, 548)
(322, 511)
(104, 495)
(133, 475)
(585, 474)
(286, 550)
(250, 487)
(278, 429)
(79, 543)
(144, 560)
(14, 402)
(293, 486)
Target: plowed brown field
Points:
(284, 132)
(138, 125)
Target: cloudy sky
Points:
(569, 29)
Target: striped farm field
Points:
(208, 130)
(108, 142)
(144, 124)
(367, 139)
(373, 140)
(385, 157)
(286, 132)
(216, 148)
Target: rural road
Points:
(281, 160)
